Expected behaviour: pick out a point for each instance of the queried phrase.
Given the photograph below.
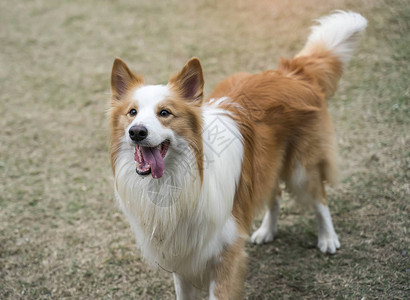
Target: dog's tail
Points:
(329, 47)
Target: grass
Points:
(61, 233)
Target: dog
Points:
(190, 173)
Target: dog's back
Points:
(284, 118)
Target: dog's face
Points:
(155, 120)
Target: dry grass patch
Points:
(61, 234)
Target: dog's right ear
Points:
(122, 79)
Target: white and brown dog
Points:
(191, 173)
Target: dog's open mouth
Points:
(151, 159)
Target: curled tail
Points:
(329, 47)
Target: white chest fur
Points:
(179, 223)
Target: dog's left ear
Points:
(189, 83)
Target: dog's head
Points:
(156, 121)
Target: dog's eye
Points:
(164, 113)
(132, 112)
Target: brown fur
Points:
(186, 104)
(229, 273)
(283, 120)
(123, 81)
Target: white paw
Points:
(263, 235)
(328, 243)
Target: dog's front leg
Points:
(183, 288)
(227, 277)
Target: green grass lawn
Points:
(62, 234)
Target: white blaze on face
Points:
(150, 152)
(147, 98)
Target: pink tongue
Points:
(153, 156)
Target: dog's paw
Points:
(328, 243)
(263, 235)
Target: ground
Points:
(61, 232)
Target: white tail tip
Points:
(338, 32)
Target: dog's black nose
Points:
(138, 133)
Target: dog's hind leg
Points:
(307, 185)
(183, 288)
(266, 232)
(328, 241)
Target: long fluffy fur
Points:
(278, 129)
